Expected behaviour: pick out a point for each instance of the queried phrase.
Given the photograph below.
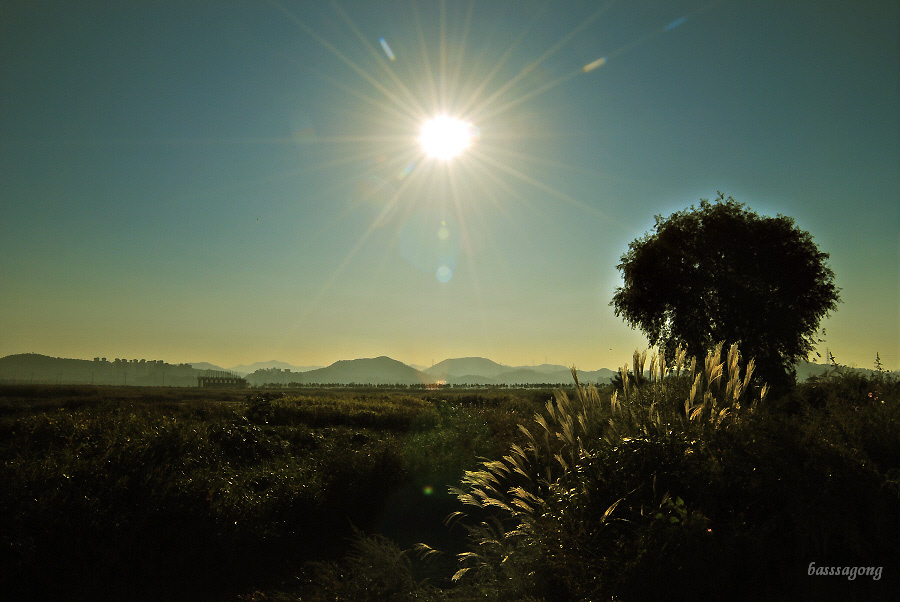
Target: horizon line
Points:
(415, 366)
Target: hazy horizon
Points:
(236, 182)
(417, 366)
(313, 366)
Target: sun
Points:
(444, 137)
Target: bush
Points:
(374, 570)
(683, 485)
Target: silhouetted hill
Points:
(452, 369)
(530, 376)
(482, 371)
(806, 370)
(563, 376)
(376, 371)
(207, 366)
(601, 376)
(544, 368)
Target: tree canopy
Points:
(721, 272)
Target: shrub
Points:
(374, 570)
(680, 485)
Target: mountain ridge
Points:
(381, 370)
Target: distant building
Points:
(221, 380)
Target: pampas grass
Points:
(519, 490)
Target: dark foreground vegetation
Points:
(685, 485)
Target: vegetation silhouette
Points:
(720, 272)
(679, 485)
(682, 485)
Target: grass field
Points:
(145, 493)
(191, 494)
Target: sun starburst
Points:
(445, 137)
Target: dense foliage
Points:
(109, 496)
(721, 272)
(679, 485)
(687, 488)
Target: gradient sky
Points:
(233, 181)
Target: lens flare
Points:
(676, 23)
(444, 274)
(594, 64)
(432, 242)
(387, 49)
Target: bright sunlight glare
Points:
(444, 137)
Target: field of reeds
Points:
(147, 494)
(682, 481)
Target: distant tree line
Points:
(40, 369)
(406, 387)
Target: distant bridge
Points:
(221, 380)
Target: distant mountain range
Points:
(482, 371)
(376, 371)
(35, 368)
(460, 371)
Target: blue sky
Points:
(238, 181)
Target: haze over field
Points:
(474, 371)
(40, 369)
(232, 181)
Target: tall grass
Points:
(681, 482)
(110, 501)
(522, 483)
(144, 498)
(677, 483)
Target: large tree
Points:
(721, 272)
